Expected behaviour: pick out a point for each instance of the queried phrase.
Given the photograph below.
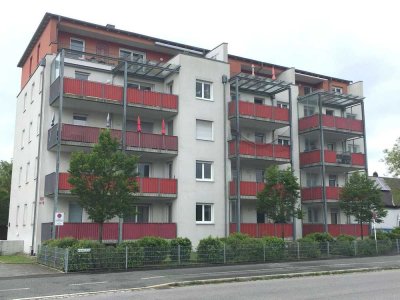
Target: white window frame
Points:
(24, 213)
(203, 163)
(337, 89)
(282, 139)
(17, 216)
(80, 40)
(30, 132)
(203, 82)
(28, 164)
(202, 210)
(308, 108)
(24, 103)
(20, 176)
(86, 74)
(284, 105)
(79, 116)
(22, 138)
(353, 148)
(212, 130)
(32, 91)
(351, 116)
(142, 86)
(38, 125)
(258, 99)
(308, 87)
(35, 173)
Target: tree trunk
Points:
(101, 232)
(362, 233)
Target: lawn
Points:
(17, 259)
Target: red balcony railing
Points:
(337, 229)
(247, 188)
(331, 122)
(86, 134)
(260, 150)
(85, 88)
(159, 186)
(130, 231)
(264, 229)
(315, 193)
(332, 157)
(261, 111)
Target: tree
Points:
(360, 197)
(279, 197)
(5, 188)
(392, 158)
(104, 180)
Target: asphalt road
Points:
(61, 284)
(374, 285)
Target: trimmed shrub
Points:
(274, 248)
(345, 238)
(320, 237)
(243, 248)
(61, 243)
(91, 260)
(135, 253)
(155, 250)
(185, 249)
(309, 248)
(210, 250)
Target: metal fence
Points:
(130, 257)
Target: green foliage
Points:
(320, 237)
(279, 197)
(155, 249)
(61, 243)
(309, 248)
(345, 237)
(104, 180)
(392, 158)
(135, 253)
(184, 251)
(243, 248)
(210, 250)
(5, 187)
(360, 197)
(274, 248)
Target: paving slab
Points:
(19, 270)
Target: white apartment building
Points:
(205, 125)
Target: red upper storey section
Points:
(55, 32)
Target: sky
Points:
(353, 40)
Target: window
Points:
(204, 213)
(351, 116)
(79, 120)
(332, 180)
(35, 170)
(170, 87)
(77, 45)
(28, 164)
(82, 75)
(38, 125)
(20, 176)
(203, 90)
(24, 214)
(259, 137)
(312, 215)
(330, 112)
(330, 147)
(309, 110)
(170, 176)
(312, 179)
(259, 175)
(17, 216)
(25, 97)
(204, 171)
(140, 86)
(74, 212)
(30, 66)
(144, 170)
(307, 90)
(22, 138)
(147, 127)
(233, 96)
(282, 105)
(170, 129)
(132, 55)
(204, 130)
(40, 82)
(38, 54)
(310, 144)
(141, 215)
(258, 100)
(32, 91)
(233, 212)
(334, 216)
(283, 140)
(336, 89)
(29, 132)
(353, 148)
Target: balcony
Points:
(264, 229)
(255, 115)
(269, 152)
(75, 136)
(337, 229)
(344, 125)
(130, 231)
(79, 92)
(314, 194)
(332, 158)
(148, 187)
(248, 190)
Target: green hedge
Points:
(185, 248)
(274, 248)
(243, 248)
(210, 250)
(155, 250)
(135, 253)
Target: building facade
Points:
(205, 124)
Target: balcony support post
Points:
(292, 154)
(124, 104)
(59, 134)
(364, 137)
(322, 144)
(237, 144)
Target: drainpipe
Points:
(237, 147)
(42, 64)
(59, 130)
(226, 199)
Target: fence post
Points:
(126, 257)
(298, 250)
(264, 252)
(224, 253)
(398, 249)
(355, 248)
(66, 258)
(179, 254)
(327, 248)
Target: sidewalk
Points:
(20, 270)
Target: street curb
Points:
(216, 281)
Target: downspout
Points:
(42, 64)
(59, 130)
(237, 147)
(226, 200)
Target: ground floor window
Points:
(204, 213)
(74, 212)
(141, 215)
